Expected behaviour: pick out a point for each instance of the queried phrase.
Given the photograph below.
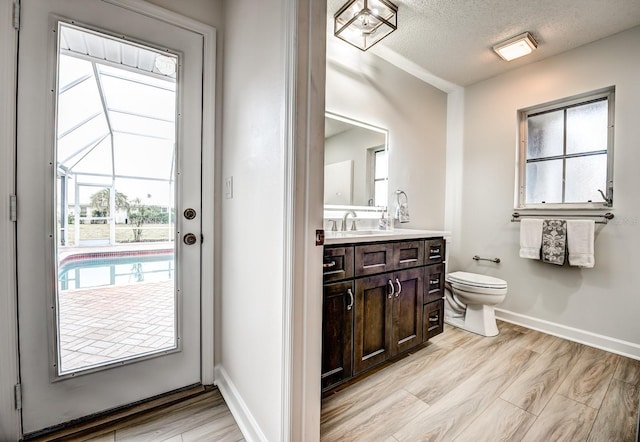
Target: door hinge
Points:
(13, 208)
(16, 15)
(18, 396)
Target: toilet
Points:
(470, 299)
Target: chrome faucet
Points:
(344, 220)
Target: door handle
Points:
(351, 299)
(399, 287)
(393, 290)
(190, 239)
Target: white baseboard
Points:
(613, 345)
(241, 413)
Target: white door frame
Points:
(10, 427)
(9, 377)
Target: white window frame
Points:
(565, 103)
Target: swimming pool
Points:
(98, 270)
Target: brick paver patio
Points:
(105, 324)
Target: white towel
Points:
(530, 238)
(580, 242)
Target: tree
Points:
(100, 202)
(138, 214)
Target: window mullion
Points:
(564, 154)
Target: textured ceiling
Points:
(453, 39)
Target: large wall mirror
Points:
(355, 163)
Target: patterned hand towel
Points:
(554, 241)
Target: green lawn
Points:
(124, 232)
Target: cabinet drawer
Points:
(433, 283)
(434, 251)
(433, 319)
(373, 258)
(408, 254)
(337, 263)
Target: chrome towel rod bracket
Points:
(515, 216)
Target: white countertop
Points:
(363, 236)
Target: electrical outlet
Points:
(228, 187)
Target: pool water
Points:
(115, 270)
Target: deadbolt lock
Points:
(190, 239)
(189, 213)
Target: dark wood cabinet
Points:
(373, 322)
(372, 259)
(337, 331)
(434, 251)
(407, 310)
(407, 254)
(433, 283)
(397, 289)
(337, 264)
(433, 319)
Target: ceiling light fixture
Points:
(363, 23)
(516, 47)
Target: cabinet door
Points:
(407, 309)
(407, 254)
(374, 258)
(337, 263)
(373, 326)
(337, 329)
(433, 283)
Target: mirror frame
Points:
(361, 124)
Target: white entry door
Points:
(109, 208)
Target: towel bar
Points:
(477, 258)
(515, 216)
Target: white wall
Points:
(364, 87)
(604, 300)
(251, 326)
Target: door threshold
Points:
(106, 419)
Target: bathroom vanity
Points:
(382, 297)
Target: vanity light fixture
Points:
(516, 47)
(363, 23)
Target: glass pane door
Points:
(115, 201)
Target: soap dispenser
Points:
(385, 222)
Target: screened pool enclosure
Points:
(116, 125)
(116, 132)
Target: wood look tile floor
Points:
(205, 417)
(521, 385)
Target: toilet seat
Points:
(479, 290)
(474, 280)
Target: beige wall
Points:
(364, 87)
(604, 300)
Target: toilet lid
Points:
(476, 280)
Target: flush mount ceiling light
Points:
(363, 23)
(516, 47)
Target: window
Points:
(566, 153)
(379, 176)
